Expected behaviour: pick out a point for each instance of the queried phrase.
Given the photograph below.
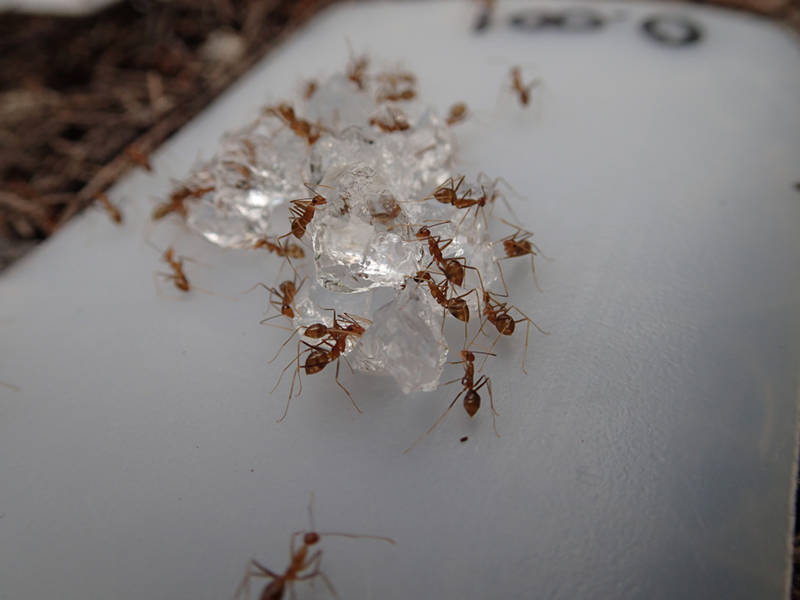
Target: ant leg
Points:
(485, 358)
(311, 511)
(244, 585)
(480, 278)
(297, 370)
(259, 284)
(349, 365)
(265, 322)
(480, 330)
(289, 339)
(439, 420)
(291, 388)
(316, 558)
(502, 279)
(338, 362)
(266, 571)
(486, 381)
(275, 387)
(533, 269)
(527, 318)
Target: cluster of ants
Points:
(393, 87)
(444, 279)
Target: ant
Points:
(424, 234)
(330, 349)
(356, 70)
(178, 277)
(302, 128)
(453, 268)
(302, 212)
(302, 567)
(287, 250)
(387, 212)
(285, 293)
(113, 211)
(310, 89)
(522, 90)
(176, 202)
(447, 193)
(497, 313)
(138, 157)
(519, 244)
(458, 112)
(404, 95)
(456, 305)
(398, 122)
(392, 83)
(469, 388)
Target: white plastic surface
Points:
(648, 454)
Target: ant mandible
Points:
(304, 563)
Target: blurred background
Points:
(89, 87)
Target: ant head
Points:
(467, 356)
(318, 200)
(287, 287)
(422, 276)
(472, 402)
(310, 538)
(423, 232)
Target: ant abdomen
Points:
(459, 309)
(316, 361)
(316, 331)
(472, 402)
(454, 271)
(505, 324)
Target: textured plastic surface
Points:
(648, 454)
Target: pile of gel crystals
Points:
(375, 153)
